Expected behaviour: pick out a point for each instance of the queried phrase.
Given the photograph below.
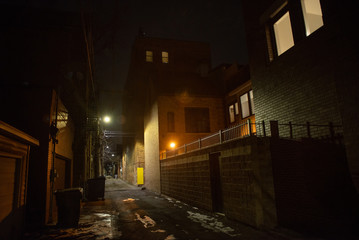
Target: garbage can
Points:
(68, 206)
(95, 188)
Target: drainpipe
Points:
(53, 133)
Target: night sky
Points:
(214, 21)
(117, 23)
(217, 22)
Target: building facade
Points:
(304, 65)
(170, 100)
(46, 86)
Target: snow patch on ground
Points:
(146, 220)
(158, 230)
(211, 223)
(170, 237)
(92, 226)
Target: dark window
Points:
(170, 122)
(197, 120)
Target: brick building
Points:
(303, 68)
(304, 65)
(44, 78)
(238, 93)
(170, 98)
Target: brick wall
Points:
(151, 150)
(133, 154)
(177, 104)
(317, 79)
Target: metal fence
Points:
(237, 131)
(274, 129)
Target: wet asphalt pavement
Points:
(131, 213)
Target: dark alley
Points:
(128, 212)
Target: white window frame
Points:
(247, 104)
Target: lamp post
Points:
(98, 148)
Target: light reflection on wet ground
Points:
(96, 225)
(129, 213)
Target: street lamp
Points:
(107, 119)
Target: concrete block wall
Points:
(313, 188)
(247, 183)
(246, 180)
(266, 182)
(187, 179)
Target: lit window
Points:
(233, 110)
(312, 13)
(164, 57)
(251, 100)
(283, 34)
(149, 56)
(247, 105)
(236, 111)
(170, 122)
(62, 118)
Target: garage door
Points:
(7, 183)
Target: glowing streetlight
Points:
(172, 145)
(107, 119)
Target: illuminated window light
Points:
(164, 57)
(283, 34)
(313, 17)
(149, 56)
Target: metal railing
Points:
(237, 131)
(283, 130)
(307, 130)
